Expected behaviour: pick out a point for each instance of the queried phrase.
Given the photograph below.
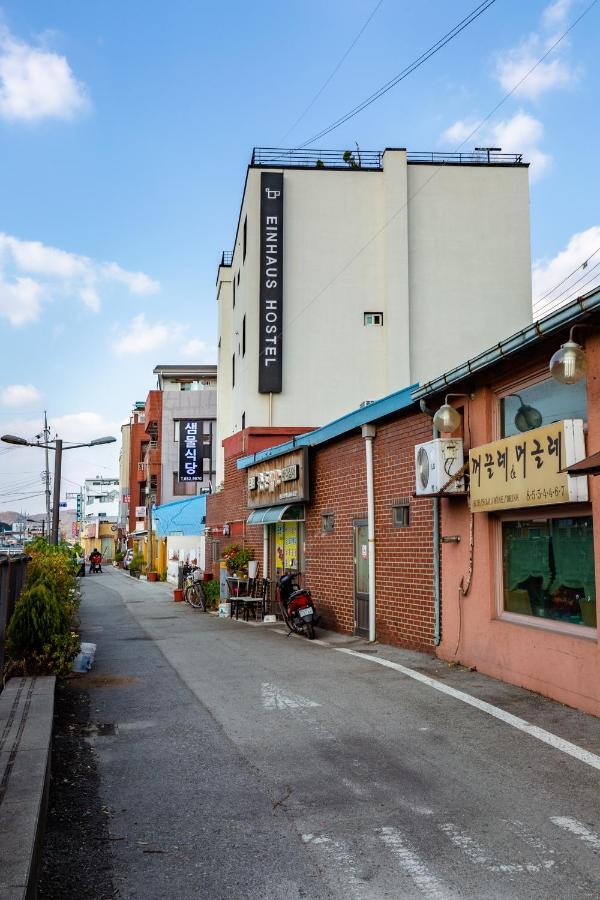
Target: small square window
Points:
(401, 515)
(327, 522)
(373, 318)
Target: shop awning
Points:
(293, 512)
(588, 466)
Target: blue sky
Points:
(126, 129)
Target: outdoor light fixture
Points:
(527, 417)
(57, 445)
(447, 418)
(569, 364)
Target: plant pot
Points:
(178, 595)
(152, 576)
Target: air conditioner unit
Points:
(436, 462)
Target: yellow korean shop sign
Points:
(527, 469)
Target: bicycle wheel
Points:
(195, 596)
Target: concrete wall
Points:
(181, 405)
(442, 251)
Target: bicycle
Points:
(193, 591)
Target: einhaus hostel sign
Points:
(528, 469)
(271, 283)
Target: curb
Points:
(26, 717)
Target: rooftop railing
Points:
(371, 159)
(227, 257)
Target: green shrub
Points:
(119, 556)
(237, 558)
(137, 563)
(38, 617)
(212, 591)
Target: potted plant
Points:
(119, 557)
(237, 559)
(152, 576)
(136, 565)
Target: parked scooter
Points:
(296, 604)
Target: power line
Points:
(436, 171)
(569, 288)
(408, 70)
(566, 278)
(334, 72)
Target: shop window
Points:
(541, 404)
(373, 318)
(327, 522)
(548, 567)
(401, 515)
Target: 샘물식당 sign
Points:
(528, 469)
(191, 466)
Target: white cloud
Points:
(36, 83)
(194, 349)
(522, 133)
(141, 336)
(57, 272)
(513, 65)
(19, 395)
(556, 13)
(20, 300)
(548, 273)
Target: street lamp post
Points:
(58, 452)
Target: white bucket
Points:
(252, 568)
(224, 610)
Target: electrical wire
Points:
(334, 72)
(566, 278)
(408, 70)
(571, 292)
(435, 173)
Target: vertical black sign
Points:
(191, 463)
(271, 283)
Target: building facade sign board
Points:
(140, 512)
(528, 469)
(278, 481)
(191, 464)
(271, 283)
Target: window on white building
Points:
(373, 318)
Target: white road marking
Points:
(342, 857)
(477, 855)
(275, 698)
(579, 830)
(558, 743)
(417, 871)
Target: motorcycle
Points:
(296, 604)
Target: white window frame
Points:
(375, 317)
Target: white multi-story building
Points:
(101, 499)
(374, 271)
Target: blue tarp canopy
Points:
(181, 517)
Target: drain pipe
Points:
(437, 630)
(368, 433)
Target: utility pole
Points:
(47, 473)
(58, 447)
(149, 516)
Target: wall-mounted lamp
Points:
(447, 418)
(569, 364)
(527, 417)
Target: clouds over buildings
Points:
(36, 83)
(32, 272)
(142, 336)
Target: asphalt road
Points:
(238, 763)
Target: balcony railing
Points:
(371, 159)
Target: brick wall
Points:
(404, 556)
